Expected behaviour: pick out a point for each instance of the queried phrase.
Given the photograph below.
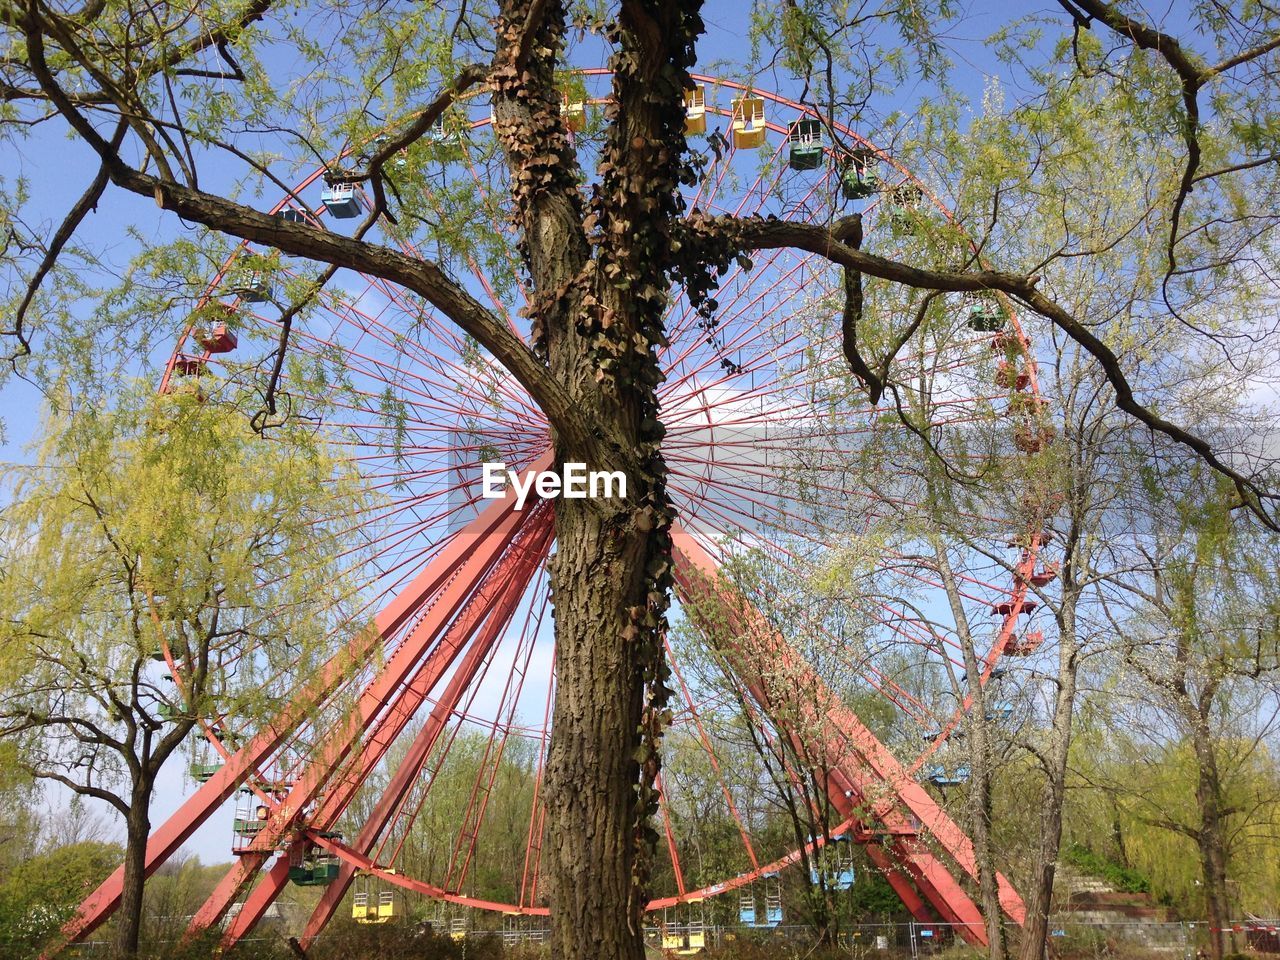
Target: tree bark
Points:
(592, 770)
(129, 916)
(1035, 931)
(1210, 838)
(601, 270)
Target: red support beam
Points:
(374, 700)
(496, 599)
(869, 769)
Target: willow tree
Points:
(1198, 617)
(149, 544)
(172, 101)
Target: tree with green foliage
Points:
(20, 824)
(1198, 624)
(160, 96)
(41, 894)
(168, 564)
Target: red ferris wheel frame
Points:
(450, 616)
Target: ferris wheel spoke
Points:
(682, 324)
(473, 819)
(537, 809)
(726, 317)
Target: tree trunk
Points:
(129, 916)
(1035, 931)
(598, 574)
(1210, 838)
(980, 782)
(601, 268)
(981, 758)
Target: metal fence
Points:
(919, 941)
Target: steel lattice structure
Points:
(762, 429)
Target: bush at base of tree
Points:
(38, 896)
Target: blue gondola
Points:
(939, 777)
(772, 900)
(341, 201)
(839, 869)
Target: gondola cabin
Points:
(985, 318)
(748, 122)
(804, 140)
(858, 178)
(1026, 646)
(939, 777)
(439, 133)
(340, 200)
(185, 365)
(314, 871)
(1006, 607)
(251, 286)
(371, 903)
(217, 339)
(905, 198)
(204, 772)
(1033, 439)
(684, 928)
(695, 111)
(1045, 575)
(573, 112)
(1011, 376)
(772, 899)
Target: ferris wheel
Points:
(782, 476)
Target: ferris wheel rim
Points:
(1017, 591)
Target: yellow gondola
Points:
(695, 110)
(372, 904)
(748, 122)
